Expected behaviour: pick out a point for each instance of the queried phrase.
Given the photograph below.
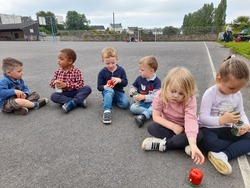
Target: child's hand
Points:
(177, 129)
(20, 94)
(132, 93)
(139, 97)
(229, 117)
(196, 155)
(244, 129)
(116, 80)
(60, 84)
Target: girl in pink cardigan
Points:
(174, 124)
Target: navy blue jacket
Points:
(105, 75)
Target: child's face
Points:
(146, 71)
(175, 94)
(231, 86)
(110, 63)
(63, 60)
(16, 73)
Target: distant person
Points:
(175, 123)
(68, 82)
(14, 93)
(143, 89)
(222, 106)
(226, 36)
(111, 81)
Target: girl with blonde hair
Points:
(174, 124)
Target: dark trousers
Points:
(221, 139)
(77, 95)
(173, 141)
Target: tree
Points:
(76, 21)
(240, 23)
(200, 21)
(170, 30)
(206, 20)
(220, 16)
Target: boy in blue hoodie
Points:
(14, 93)
(111, 81)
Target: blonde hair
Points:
(182, 78)
(109, 52)
(233, 67)
(150, 61)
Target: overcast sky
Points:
(130, 13)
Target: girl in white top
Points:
(221, 107)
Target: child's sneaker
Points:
(41, 102)
(21, 111)
(188, 150)
(153, 143)
(106, 117)
(140, 120)
(220, 162)
(83, 104)
(69, 106)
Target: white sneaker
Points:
(188, 150)
(248, 153)
(153, 143)
(220, 162)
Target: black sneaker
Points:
(140, 120)
(21, 111)
(42, 102)
(106, 117)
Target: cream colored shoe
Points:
(220, 162)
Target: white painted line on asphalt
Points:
(243, 163)
(210, 61)
(245, 170)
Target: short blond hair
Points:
(150, 61)
(109, 52)
(182, 78)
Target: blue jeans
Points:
(221, 139)
(144, 108)
(173, 141)
(77, 95)
(119, 99)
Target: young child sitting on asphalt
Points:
(143, 89)
(175, 124)
(68, 82)
(111, 81)
(14, 93)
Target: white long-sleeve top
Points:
(214, 104)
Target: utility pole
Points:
(114, 20)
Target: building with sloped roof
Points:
(116, 27)
(98, 27)
(27, 31)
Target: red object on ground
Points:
(110, 83)
(195, 176)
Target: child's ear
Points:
(8, 72)
(218, 78)
(71, 61)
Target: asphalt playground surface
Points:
(48, 148)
